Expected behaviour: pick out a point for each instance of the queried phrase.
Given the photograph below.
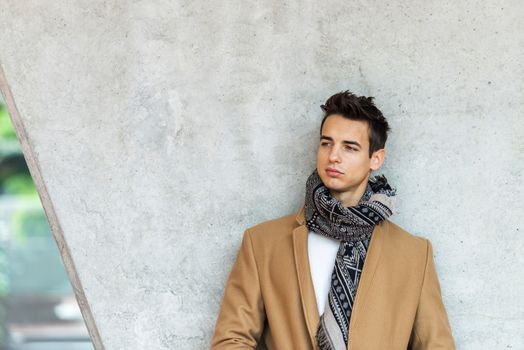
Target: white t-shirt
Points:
(322, 252)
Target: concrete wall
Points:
(159, 132)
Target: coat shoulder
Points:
(274, 229)
(400, 238)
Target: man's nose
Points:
(333, 155)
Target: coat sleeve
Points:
(240, 321)
(431, 329)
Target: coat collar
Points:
(305, 282)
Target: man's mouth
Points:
(333, 172)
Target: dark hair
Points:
(355, 107)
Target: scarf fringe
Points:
(322, 338)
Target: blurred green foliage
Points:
(21, 184)
(15, 178)
(7, 132)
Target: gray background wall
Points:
(160, 131)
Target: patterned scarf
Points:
(353, 227)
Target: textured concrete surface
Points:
(162, 130)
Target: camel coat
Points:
(269, 300)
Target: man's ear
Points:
(377, 158)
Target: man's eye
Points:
(350, 148)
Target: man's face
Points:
(343, 161)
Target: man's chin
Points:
(336, 185)
(333, 185)
(328, 179)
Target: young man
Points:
(337, 274)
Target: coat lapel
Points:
(307, 292)
(305, 283)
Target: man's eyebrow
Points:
(346, 142)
